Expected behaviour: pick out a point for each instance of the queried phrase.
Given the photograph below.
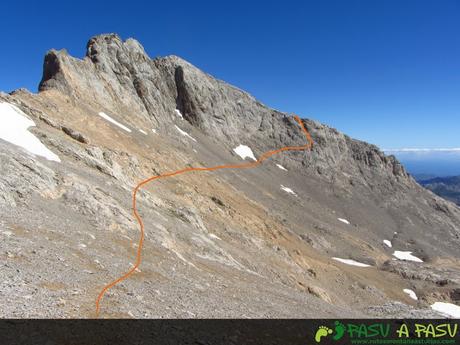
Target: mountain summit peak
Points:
(111, 46)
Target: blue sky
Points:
(387, 72)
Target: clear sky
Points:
(387, 72)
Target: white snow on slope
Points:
(288, 190)
(244, 152)
(142, 131)
(108, 118)
(388, 243)
(447, 309)
(178, 113)
(13, 128)
(154, 130)
(411, 294)
(406, 256)
(343, 220)
(184, 133)
(351, 262)
(281, 167)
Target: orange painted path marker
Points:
(262, 158)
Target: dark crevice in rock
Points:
(53, 75)
(184, 102)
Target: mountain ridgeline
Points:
(119, 77)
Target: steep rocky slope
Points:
(236, 243)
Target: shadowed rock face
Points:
(233, 229)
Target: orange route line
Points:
(262, 158)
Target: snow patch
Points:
(184, 133)
(343, 220)
(447, 309)
(288, 190)
(154, 130)
(244, 152)
(108, 118)
(406, 256)
(411, 294)
(178, 113)
(388, 243)
(215, 237)
(13, 128)
(351, 262)
(142, 131)
(281, 167)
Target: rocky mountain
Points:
(338, 231)
(446, 187)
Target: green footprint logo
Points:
(322, 331)
(339, 330)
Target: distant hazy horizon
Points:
(437, 162)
